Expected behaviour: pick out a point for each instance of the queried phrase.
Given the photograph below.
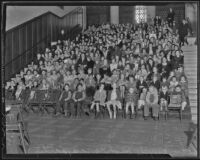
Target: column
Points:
(84, 18)
(114, 14)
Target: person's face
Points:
(182, 79)
(164, 89)
(154, 69)
(178, 89)
(28, 72)
(171, 73)
(164, 80)
(79, 88)
(35, 72)
(131, 79)
(89, 71)
(38, 56)
(151, 89)
(101, 87)
(141, 78)
(180, 69)
(114, 85)
(177, 53)
(131, 90)
(35, 83)
(66, 88)
(174, 79)
(48, 74)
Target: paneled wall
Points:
(97, 14)
(23, 42)
(178, 8)
(126, 14)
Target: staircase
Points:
(190, 64)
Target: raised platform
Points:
(62, 135)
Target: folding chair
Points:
(17, 130)
(15, 117)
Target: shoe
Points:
(145, 118)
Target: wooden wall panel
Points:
(34, 31)
(8, 48)
(44, 27)
(8, 71)
(39, 30)
(126, 14)
(15, 49)
(22, 40)
(25, 41)
(29, 35)
(16, 65)
(49, 26)
(97, 14)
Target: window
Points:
(140, 14)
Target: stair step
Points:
(193, 109)
(193, 104)
(192, 87)
(194, 119)
(192, 90)
(193, 98)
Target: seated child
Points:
(164, 98)
(65, 102)
(142, 99)
(99, 98)
(177, 98)
(114, 99)
(78, 97)
(151, 102)
(184, 85)
(131, 100)
(172, 84)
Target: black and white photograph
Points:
(100, 78)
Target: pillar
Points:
(84, 18)
(114, 14)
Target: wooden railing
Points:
(23, 42)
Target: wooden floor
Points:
(61, 135)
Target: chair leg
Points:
(180, 114)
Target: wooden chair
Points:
(51, 100)
(36, 100)
(174, 105)
(121, 112)
(163, 111)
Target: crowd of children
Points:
(123, 66)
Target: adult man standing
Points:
(170, 17)
(183, 31)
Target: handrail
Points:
(44, 14)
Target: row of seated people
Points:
(118, 95)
